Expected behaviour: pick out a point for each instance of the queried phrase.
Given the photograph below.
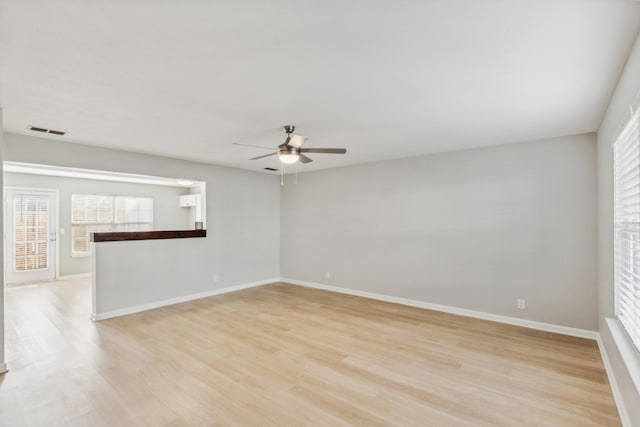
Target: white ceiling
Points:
(384, 79)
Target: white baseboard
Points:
(177, 300)
(617, 396)
(3, 368)
(74, 276)
(549, 327)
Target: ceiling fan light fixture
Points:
(288, 159)
(289, 155)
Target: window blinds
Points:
(627, 228)
(31, 232)
(95, 213)
(90, 209)
(133, 210)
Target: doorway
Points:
(31, 235)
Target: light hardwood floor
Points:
(287, 356)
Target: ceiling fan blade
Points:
(297, 141)
(324, 150)
(251, 145)
(305, 159)
(266, 155)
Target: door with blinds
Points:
(30, 235)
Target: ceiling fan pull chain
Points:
(281, 175)
(296, 181)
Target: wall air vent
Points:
(270, 169)
(43, 130)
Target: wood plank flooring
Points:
(284, 355)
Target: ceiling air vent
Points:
(270, 169)
(43, 130)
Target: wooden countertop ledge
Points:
(119, 236)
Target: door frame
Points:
(56, 225)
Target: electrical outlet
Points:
(521, 304)
(328, 274)
(215, 278)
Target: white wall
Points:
(243, 237)
(473, 229)
(168, 215)
(156, 273)
(626, 93)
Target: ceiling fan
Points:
(290, 151)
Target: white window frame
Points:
(627, 228)
(625, 328)
(115, 222)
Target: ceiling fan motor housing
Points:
(288, 150)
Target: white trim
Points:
(80, 254)
(629, 354)
(57, 222)
(93, 174)
(549, 327)
(33, 282)
(617, 395)
(177, 300)
(3, 368)
(74, 276)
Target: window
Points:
(627, 228)
(93, 213)
(31, 232)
